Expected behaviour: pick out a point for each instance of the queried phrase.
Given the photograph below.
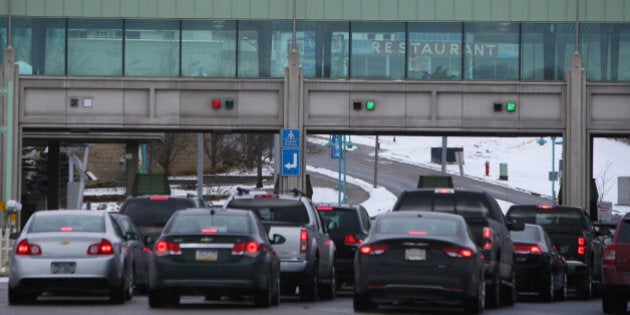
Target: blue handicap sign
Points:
(290, 162)
(291, 138)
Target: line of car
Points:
(437, 247)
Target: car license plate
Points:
(63, 267)
(206, 254)
(415, 254)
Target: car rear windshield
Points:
(340, 219)
(154, 212)
(67, 223)
(467, 205)
(415, 226)
(528, 234)
(281, 210)
(557, 218)
(209, 224)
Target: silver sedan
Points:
(70, 252)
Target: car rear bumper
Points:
(188, 277)
(531, 277)
(102, 272)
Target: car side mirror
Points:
(132, 236)
(278, 239)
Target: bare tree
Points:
(166, 153)
(603, 181)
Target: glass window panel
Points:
(95, 47)
(254, 48)
(434, 51)
(209, 49)
(603, 48)
(491, 51)
(152, 48)
(282, 44)
(378, 50)
(546, 50)
(39, 45)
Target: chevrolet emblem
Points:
(206, 239)
(65, 242)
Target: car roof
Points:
(67, 211)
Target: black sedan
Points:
(217, 253)
(347, 226)
(418, 258)
(138, 251)
(540, 267)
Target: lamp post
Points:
(552, 176)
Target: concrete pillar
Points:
(575, 186)
(10, 144)
(294, 118)
(131, 165)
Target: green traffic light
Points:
(370, 105)
(510, 107)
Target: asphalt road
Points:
(396, 176)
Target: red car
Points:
(616, 265)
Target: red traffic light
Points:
(216, 104)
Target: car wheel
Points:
(548, 291)
(15, 296)
(477, 304)
(508, 291)
(585, 287)
(362, 302)
(130, 287)
(118, 293)
(561, 294)
(493, 292)
(327, 291)
(613, 303)
(309, 286)
(275, 298)
(262, 297)
(156, 298)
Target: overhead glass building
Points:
(397, 40)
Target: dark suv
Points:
(150, 213)
(572, 232)
(487, 223)
(347, 226)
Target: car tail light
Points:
(457, 252)
(103, 248)
(350, 239)
(610, 253)
(303, 241)
(250, 249)
(324, 208)
(417, 232)
(163, 248)
(158, 198)
(527, 249)
(581, 249)
(26, 248)
(546, 207)
(147, 250)
(266, 196)
(66, 229)
(487, 236)
(207, 230)
(373, 249)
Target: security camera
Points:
(121, 161)
(91, 176)
(124, 157)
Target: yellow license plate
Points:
(206, 254)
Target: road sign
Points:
(291, 138)
(335, 151)
(290, 162)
